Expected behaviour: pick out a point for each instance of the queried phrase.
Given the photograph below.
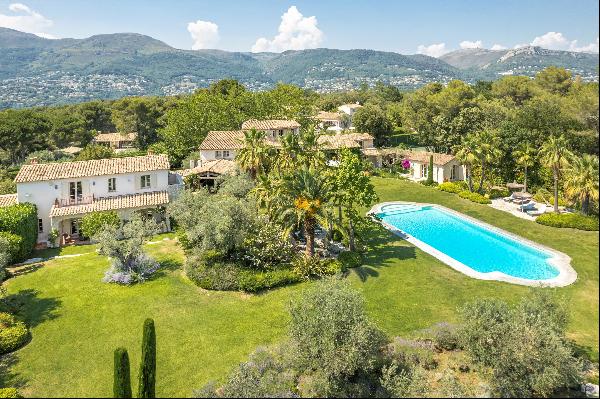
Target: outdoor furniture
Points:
(514, 186)
(528, 207)
(510, 198)
(539, 211)
(522, 197)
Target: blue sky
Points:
(427, 26)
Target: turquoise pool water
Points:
(473, 245)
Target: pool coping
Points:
(561, 261)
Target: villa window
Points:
(112, 184)
(225, 154)
(145, 181)
(218, 154)
(40, 226)
(424, 170)
(75, 191)
(453, 172)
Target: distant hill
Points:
(38, 71)
(528, 60)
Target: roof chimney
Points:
(33, 161)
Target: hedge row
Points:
(450, 188)
(569, 220)
(21, 220)
(13, 333)
(474, 197)
(15, 243)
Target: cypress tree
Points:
(430, 171)
(122, 378)
(147, 380)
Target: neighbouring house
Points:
(330, 121)
(226, 144)
(274, 128)
(72, 150)
(349, 109)
(208, 171)
(64, 192)
(445, 167)
(116, 141)
(8, 200)
(338, 141)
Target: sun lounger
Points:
(539, 211)
(511, 198)
(528, 207)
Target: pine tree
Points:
(122, 378)
(147, 379)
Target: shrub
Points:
(93, 223)
(252, 281)
(450, 187)
(21, 219)
(445, 339)
(122, 376)
(9, 393)
(306, 266)
(147, 376)
(474, 197)
(350, 259)
(10, 245)
(498, 193)
(13, 333)
(570, 220)
(95, 151)
(266, 249)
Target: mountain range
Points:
(38, 71)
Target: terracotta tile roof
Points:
(144, 200)
(343, 140)
(414, 156)
(223, 140)
(218, 166)
(114, 137)
(270, 124)
(97, 167)
(8, 200)
(328, 116)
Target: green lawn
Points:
(77, 320)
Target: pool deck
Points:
(562, 262)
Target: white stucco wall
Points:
(209, 155)
(44, 193)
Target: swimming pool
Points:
(475, 248)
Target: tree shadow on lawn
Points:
(30, 307)
(382, 250)
(7, 377)
(167, 266)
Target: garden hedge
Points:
(13, 333)
(474, 197)
(569, 220)
(15, 243)
(21, 219)
(450, 187)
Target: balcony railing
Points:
(62, 202)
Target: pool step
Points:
(401, 209)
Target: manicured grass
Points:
(77, 320)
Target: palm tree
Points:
(464, 154)
(304, 195)
(254, 156)
(287, 158)
(484, 149)
(555, 154)
(310, 153)
(525, 157)
(582, 181)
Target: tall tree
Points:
(555, 154)
(487, 152)
(465, 155)
(525, 157)
(122, 376)
(304, 195)
(581, 181)
(147, 378)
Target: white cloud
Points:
(498, 47)
(469, 44)
(25, 19)
(296, 32)
(433, 50)
(204, 33)
(558, 41)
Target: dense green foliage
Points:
(10, 248)
(147, 376)
(450, 187)
(569, 220)
(92, 223)
(525, 347)
(13, 333)
(474, 197)
(122, 374)
(21, 220)
(9, 393)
